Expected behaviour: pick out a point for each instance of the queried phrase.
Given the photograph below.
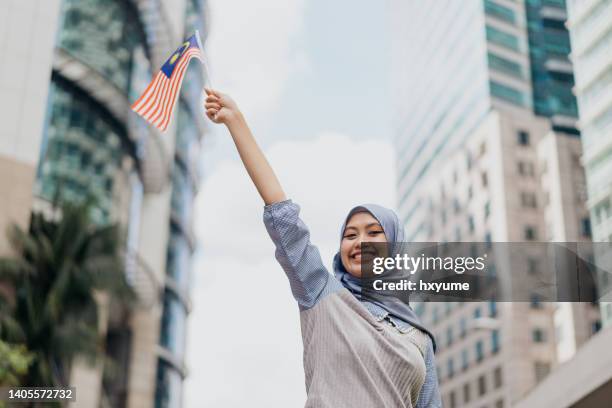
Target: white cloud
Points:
(254, 48)
(244, 346)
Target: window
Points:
(532, 266)
(499, 12)
(466, 392)
(451, 367)
(523, 138)
(477, 313)
(448, 308)
(525, 168)
(471, 225)
(495, 341)
(586, 227)
(492, 308)
(504, 65)
(535, 301)
(462, 327)
(449, 336)
(464, 359)
(482, 385)
(470, 192)
(541, 370)
(497, 377)
(479, 351)
(538, 335)
(499, 403)
(452, 399)
(485, 179)
(434, 315)
(528, 199)
(502, 38)
(507, 93)
(530, 233)
(595, 326)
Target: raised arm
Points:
(220, 108)
(301, 261)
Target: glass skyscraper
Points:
(181, 243)
(456, 61)
(106, 52)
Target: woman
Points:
(358, 351)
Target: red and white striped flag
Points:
(156, 103)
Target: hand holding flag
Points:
(220, 108)
(156, 104)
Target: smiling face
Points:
(361, 227)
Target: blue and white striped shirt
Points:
(310, 281)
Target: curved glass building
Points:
(93, 145)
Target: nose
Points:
(360, 239)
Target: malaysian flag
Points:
(157, 101)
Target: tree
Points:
(59, 266)
(14, 362)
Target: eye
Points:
(350, 236)
(375, 232)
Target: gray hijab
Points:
(394, 232)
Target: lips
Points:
(367, 254)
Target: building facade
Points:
(26, 39)
(72, 135)
(473, 56)
(590, 24)
(487, 151)
(499, 187)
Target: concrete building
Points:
(488, 191)
(590, 24)
(27, 31)
(485, 120)
(80, 138)
(566, 219)
(513, 180)
(585, 381)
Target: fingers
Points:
(213, 105)
(212, 98)
(212, 92)
(211, 113)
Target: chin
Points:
(355, 272)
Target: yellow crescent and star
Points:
(179, 52)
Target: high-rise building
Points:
(590, 24)
(26, 40)
(552, 77)
(484, 113)
(81, 139)
(455, 61)
(513, 180)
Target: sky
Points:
(310, 78)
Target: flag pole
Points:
(199, 40)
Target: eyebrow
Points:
(372, 224)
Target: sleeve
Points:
(429, 397)
(300, 260)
